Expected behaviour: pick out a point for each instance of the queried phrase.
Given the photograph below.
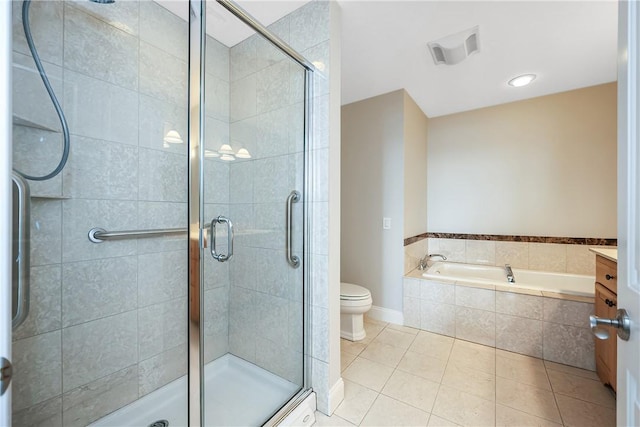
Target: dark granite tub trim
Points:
(504, 238)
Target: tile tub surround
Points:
(564, 257)
(404, 376)
(548, 327)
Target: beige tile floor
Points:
(400, 376)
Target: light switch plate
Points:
(386, 223)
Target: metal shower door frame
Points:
(195, 205)
(5, 200)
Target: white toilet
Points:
(354, 302)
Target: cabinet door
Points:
(612, 347)
(606, 349)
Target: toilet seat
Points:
(351, 292)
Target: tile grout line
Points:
(440, 383)
(495, 389)
(448, 359)
(393, 372)
(555, 399)
(576, 397)
(378, 392)
(395, 369)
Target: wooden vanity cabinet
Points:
(606, 305)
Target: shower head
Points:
(103, 1)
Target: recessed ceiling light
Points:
(522, 80)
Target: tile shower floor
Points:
(403, 376)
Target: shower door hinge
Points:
(6, 372)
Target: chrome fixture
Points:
(293, 260)
(621, 323)
(264, 32)
(159, 423)
(510, 277)
(99, 235)
(20, 249)
(214, 222)
(424, 262)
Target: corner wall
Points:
(415, 173)
(372, 179)
(384, 153)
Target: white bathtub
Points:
(542, 281)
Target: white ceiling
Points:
(225, 28)
(568, 44)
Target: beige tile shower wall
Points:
(560, 258)
(266, 117)
(107, 322)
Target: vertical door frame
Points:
(195, 209)
(5, 199)
(628, 372)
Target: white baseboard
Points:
(336, 395)
(386, 315)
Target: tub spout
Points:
(510, 277)
(424, 262)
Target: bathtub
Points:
(542, 314)
(541, 281)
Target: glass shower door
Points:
(253, 189)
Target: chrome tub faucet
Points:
(424, 262)
(510, 276)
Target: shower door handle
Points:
(20, 250)
(293, 260)
(214, 222)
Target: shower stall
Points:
(162, 265)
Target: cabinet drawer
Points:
(607, 273)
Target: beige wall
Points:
(415, 173)
(371, 188)
(384, 153)
(544, 166)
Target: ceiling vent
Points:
(452, 49)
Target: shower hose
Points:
(63, 120)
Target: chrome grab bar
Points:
(99, 235)
(293, 260)
(214, 222)
(20, 250)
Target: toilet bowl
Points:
(354, 302)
